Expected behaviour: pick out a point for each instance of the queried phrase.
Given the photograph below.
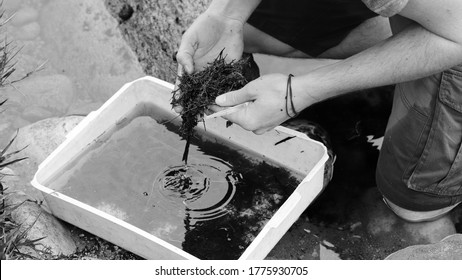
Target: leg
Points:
(257, 41)
(295, 28)
(419, 170)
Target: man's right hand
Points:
(210, 34)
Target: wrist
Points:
(304, 93)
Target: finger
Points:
(233, 98)
(176, 92)
(178, 109)
(261, 131)
(240, 117)
(208, 111)
(180, 72)
(216, 108)
(185, 56)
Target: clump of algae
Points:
(197, 91)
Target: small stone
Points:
(355, 226)
(315, 254)
(327, 243)
(328, 254)
(126, 12)
(28, 32)
(24, 16)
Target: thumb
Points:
(233, 98)
(185, 57)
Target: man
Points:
(419, 171)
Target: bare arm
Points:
(430, 45)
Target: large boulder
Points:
(449, 248)
(11, 5)
(50, 92)
(154, 30)
(85, 36)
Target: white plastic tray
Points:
(149, 93)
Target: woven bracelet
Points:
(289, 98)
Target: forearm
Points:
(235, 9)
(412, 54)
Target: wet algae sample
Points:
(230, 196)
(197, 91)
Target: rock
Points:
(11, 5)
(6, 175)
(29, 31)
(38, 223)
(24, 15)
(449, 248)
(90, 47)
(326, 253)
(41, 138)
(27, 61)
(83, 109)
(36, 113)
(53, 92)
(154, 30)
(11, 120)
(4, 127)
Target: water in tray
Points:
(212, 208)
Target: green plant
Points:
(7, 53)
(12, 236)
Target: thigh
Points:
(420, 164)
(257, 41)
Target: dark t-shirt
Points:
(314, 26)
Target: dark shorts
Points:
(420, 163)
(311, 26)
